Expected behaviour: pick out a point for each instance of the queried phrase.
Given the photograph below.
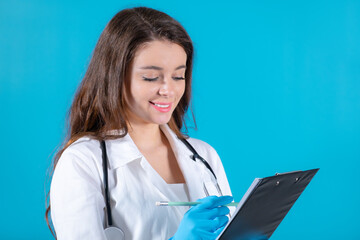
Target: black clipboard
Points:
(265, 205)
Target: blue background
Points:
(276, 88)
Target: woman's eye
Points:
(150, 79)
(178, 78)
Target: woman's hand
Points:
(204, 221)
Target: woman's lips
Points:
(161, 106)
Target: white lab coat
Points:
(76, 194)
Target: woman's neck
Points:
(146, 136)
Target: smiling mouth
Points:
(162, 105)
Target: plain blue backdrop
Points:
(276, 88)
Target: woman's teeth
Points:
(162, 106)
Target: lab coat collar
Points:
(123, 150)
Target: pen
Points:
(166, 203)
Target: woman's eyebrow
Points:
(159, 68)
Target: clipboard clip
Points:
(277, 174)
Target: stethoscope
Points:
(112, 232)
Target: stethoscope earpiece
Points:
(114, 233)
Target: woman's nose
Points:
(166, 88)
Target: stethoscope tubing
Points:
(106, 182)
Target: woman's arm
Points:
(77, 203)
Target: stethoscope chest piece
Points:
(114, 233)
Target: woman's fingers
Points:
(204, 219)
(210, 234)
(210, 214)
(218, 223)
(219, 211)
(214, 224)
(219, 230)
(214, 201)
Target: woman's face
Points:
(156, 82)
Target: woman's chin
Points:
(162, 120)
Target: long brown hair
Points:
(99, 104)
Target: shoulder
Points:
(83, 148)
(83, 157)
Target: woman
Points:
(134, 96)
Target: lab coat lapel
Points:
(191, 175)
(164, 192)
(156, 180)
(123, 151)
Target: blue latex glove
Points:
(204, 221)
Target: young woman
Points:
(125, 150)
